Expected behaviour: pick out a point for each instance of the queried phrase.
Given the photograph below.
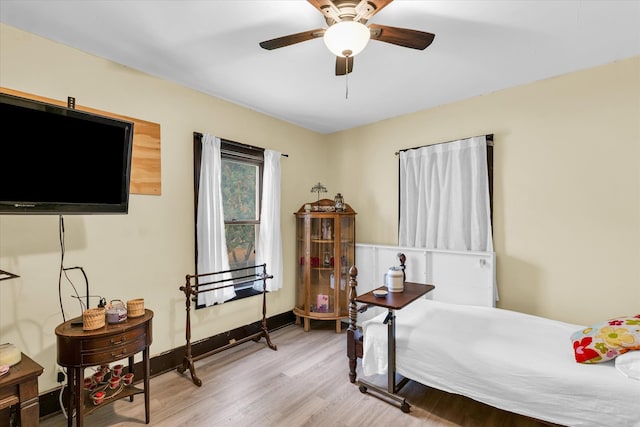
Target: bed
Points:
(513, 361)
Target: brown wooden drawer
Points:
(113, 340)
(113, 352)
(9, 396)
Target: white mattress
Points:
(509, 360)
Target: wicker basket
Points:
(135, 307)
(93, 318)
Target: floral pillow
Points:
(604, 341)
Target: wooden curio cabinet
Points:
(325, 250)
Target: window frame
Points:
(243, 153)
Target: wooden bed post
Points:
(403, 259)
(354, 342)
(354, 336)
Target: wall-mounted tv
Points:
(58, 160)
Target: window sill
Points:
(244, 293)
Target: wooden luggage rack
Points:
(191, 291)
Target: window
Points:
(446, 194)
(241, 189)
(241, 180)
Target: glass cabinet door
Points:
(302, 269)
(322, 261)
(347, 253)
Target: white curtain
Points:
(212, 241)
(269, 249)
(444, 196)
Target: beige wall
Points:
(567, 195)
(148, 252)
(566, 186)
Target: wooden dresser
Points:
(79, 349)
(20, 387)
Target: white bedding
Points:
(509, 360)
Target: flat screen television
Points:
(58, 160)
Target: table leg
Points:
(145, 358)
(71, 372)
(78, 390)
(391, 352)
(390, 393)
(28, 413)
(131, 370)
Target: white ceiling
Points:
(212, 46)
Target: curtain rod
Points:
(488, 136)
(239, 144)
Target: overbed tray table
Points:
(392, 301)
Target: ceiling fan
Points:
(348, 32)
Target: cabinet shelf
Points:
(321, 289)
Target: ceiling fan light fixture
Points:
(347, 38)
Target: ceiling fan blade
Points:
(341, 65)
(291, 39)
(401, 36)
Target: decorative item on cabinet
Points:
(318, 188)
(135, 307)
(325, 248)
(338, 202)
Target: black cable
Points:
(61, 238)
(63, 270)
(86, 282)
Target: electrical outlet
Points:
(62, 375)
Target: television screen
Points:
(57, 160)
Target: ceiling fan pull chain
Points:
(347, 55)
(346, 80)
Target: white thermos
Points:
(394, 279)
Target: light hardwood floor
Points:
(304, 383)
